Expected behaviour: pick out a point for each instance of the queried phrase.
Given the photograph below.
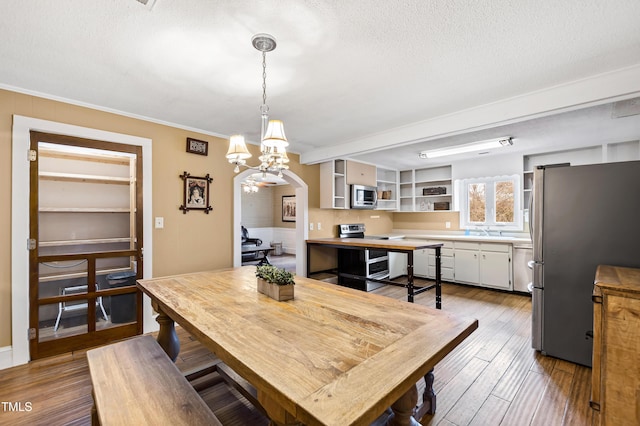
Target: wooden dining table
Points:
(330, 356)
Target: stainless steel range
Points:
(361, 263)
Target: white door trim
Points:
(20, 220)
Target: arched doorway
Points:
(302, 218)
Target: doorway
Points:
(22, 126)
(85, 243)
(268, 221)
(301, 191)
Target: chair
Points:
(246, 242)
(64, 306)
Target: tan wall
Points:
(189, 242)
(278, 192)
(435, 221)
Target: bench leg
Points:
(167, 337)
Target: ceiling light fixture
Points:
(250, 185)
(470, 147)
(273, 141)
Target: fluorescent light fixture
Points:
(470, 147)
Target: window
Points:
(490, 202)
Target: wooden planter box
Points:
(276, 292)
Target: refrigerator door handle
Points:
(531, 214)
(538, 275)
(536, 319)
(537, 197)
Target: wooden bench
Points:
(135, 383)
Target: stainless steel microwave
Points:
(363, 197)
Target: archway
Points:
(302, 217)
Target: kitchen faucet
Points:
(484, 230)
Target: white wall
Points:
(286, 236)
(257, 209)
(491, 165)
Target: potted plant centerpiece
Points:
(274, 282)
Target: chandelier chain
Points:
(264, 78)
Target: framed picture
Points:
(288, 208)
(195, 193)
(195, 146)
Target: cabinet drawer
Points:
(446, 274)
(499, 248)
(445, 261)
(464, 245)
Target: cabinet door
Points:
(361, 174)
(467, 266)
(495, 270)
(421, 263)
(397, 265)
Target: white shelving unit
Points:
(333, 185)
(86, 204)
(387, 183)
(412, 186)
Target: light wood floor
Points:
(493, 378)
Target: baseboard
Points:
(6, 357)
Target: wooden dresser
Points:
(615, 387)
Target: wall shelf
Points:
(83, 210)
(76, 177)
(413, 182)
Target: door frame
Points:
(22, 126)
(302, 217)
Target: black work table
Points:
(398, 246)
(261, 253)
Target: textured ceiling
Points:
(343, 71)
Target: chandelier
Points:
(273, 141)
(250, 185)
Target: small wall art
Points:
(195, 193)
(288, 208)
(196, 146)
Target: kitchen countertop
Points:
(395, 244)
(426, 235)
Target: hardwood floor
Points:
(492, 378)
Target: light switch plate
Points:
(159, 222)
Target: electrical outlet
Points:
(310, 226)
(319, 226)
(159, 222)
(447, 225)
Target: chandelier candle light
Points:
(273, 140)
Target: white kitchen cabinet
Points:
(522, 274)
(424, 262)
(421, 263)
(361, 173)
(446, 263)
(484, 264)
(495, 270)
(397, 264)
(334, 192)
(467, 265)
(336, 176)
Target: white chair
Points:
(64, 306)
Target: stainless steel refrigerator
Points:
(581, 217)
